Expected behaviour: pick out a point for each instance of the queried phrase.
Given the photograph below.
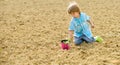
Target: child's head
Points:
(74, 10)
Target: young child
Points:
(80, 26)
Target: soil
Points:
(31, 31)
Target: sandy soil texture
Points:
(31, 30)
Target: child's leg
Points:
(78, 40)
(88, 40)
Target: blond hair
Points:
(73, 7)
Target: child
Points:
(80, 25)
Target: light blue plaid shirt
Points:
(81, 26)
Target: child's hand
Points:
(91, 23)
(92, 26)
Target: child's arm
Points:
(70, 35)
(91, 23)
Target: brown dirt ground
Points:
(31, 30)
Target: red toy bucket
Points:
(64, 45)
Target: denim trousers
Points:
(83, 38)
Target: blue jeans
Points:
(79, 40)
